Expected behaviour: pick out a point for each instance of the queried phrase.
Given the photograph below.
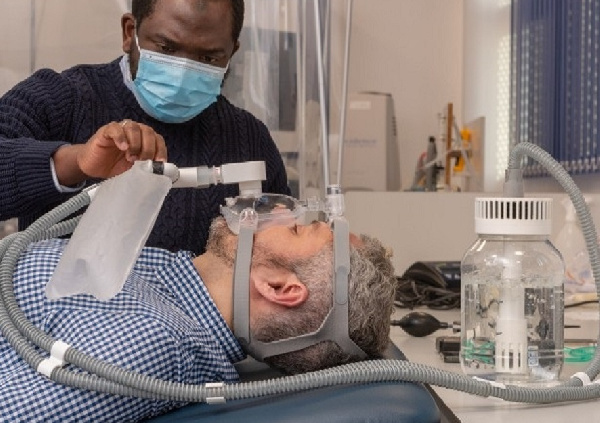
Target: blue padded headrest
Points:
(399, 402)
(389, 402)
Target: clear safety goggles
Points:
(267, 210)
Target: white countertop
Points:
(473, 409)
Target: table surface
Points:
(473, 409)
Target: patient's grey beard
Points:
(221, 241)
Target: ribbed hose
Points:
(112, 379)
(14, 325)
(12, 320)
(583, 214)
(21, 334)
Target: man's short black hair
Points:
(144, 8)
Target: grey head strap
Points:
(335, 325)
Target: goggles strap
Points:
(241, 286)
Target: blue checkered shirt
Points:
(164, 323)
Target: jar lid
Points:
(513, 216)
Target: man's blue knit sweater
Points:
(50, 109)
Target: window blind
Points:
(555, 78)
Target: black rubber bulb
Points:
(417, 323)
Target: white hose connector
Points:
(216, 399)
(583, 377)
(490, 382)
(56, 359)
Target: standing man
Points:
(62, 131)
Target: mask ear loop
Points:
(135, 35)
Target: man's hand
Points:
(109, 152)
(114, 147)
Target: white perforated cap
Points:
(513, 216)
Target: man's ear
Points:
(127, 31)
(236, 47)
(279, 286)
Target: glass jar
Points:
(512, 305)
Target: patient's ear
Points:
(279, 286)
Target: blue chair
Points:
(385, 402)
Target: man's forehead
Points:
(193, 16)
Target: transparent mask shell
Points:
(271, 209)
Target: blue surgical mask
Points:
(173, 89)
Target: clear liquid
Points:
(538, 358)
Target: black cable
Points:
(581, 303)
(411, 293)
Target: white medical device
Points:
(512, 321)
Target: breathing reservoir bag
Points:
(110, 236)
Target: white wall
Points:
(486, 80)
(431, 226)
(14, 51)
(428, 53)
(91, 32)
(67, 32)
(412, 49)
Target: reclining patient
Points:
(173, 318)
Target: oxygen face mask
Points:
(247, 214)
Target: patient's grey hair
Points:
(371, 294)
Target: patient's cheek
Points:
(221, 241)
